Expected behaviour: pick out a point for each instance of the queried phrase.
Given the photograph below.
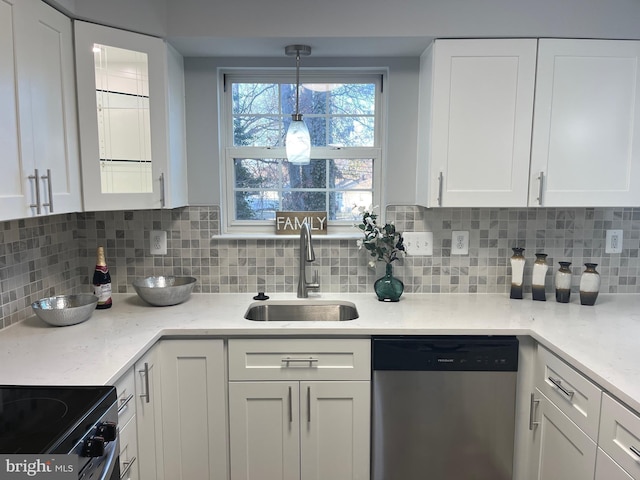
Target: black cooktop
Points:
(43, 419)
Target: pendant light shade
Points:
(298, 140)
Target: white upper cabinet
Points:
(38, 125)
(479, 109)
(586, 134)
(132, 120)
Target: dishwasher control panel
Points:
(447, 353)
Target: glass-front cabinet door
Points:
(132, 155)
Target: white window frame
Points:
(228, 152)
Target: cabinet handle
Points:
(532, 412)
(127, 467)
(558, 384)
(309, 360)
(290, 407)
(146, 395)
(124, 402)
(162, 194)
(540, 188)
(440, 183)
(308, 404)
(635, 451)
(47, 177)
(36, 177)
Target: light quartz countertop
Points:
(602, 341)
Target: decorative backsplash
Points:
(54, 255)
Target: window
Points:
(342, 113)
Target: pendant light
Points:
(298, 140)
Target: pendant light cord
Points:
(297, 82)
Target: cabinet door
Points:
(14, 196)
(334, 430)
(482, 110)
(586, 133)
(131, 119)
(194, 422)
(607, 469)
(149, 415)
(264, 430)
(561, 449)
(53, 121)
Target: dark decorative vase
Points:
(388, 288)
(517, 273)
(563, 283)
(589, 284)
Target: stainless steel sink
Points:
(302, 310)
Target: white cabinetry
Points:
(619, 437)
(299, 408)
(132, 120)
(194, 420)
(586, 134)
(607, 469)
(564, 419)
(38, 139)
(479, 109)
(477, 146)
(125, 387)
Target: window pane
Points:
(352, 131)
(257, 173)
(344, 202)
(351, 174)
(353, 99)
(304, 201)
(256, 205)
(256, 131)
(313, 175)
(261, 98)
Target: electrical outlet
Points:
(158, 242)
(418, 243)
(614, 241)
(460, 243)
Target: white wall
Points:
(201, 84)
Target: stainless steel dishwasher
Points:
(443, 407)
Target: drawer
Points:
(125, 387)
(607, 469)
(576, 396)
(619, 435)
(299, 359)
(129, 450)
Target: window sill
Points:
(273, 236)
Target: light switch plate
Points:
(460, 243)
(418, 243)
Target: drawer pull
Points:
(635, 451)
(124, 402)
(532, 412)
(309, 360)
(127, 466)
(558, 384)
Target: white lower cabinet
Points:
(607, 469)
(125, 387)
(194, 421)
(297, 423)
(563, 451)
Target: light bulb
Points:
(298, 143)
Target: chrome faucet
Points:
(306, 256)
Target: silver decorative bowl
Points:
(164, 291)
(64, 310)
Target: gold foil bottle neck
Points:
(100, 260)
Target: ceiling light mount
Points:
(297, 50)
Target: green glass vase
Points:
(388, 288)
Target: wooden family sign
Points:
(289, 223)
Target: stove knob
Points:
(108, 431)
(93, 447)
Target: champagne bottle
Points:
(102, 281)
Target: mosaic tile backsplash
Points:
(56, 254)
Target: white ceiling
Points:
(320, 47)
